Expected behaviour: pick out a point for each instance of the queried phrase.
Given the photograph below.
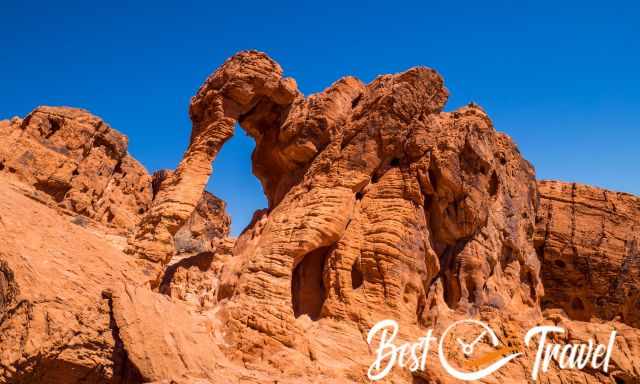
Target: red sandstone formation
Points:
(80, 165)
(229, 94)
(206, 226)
(589, 242)
(79, 161)
(381, 206)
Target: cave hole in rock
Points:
(540, 251)
(356, 101)
(233, 181)
(449, 271)
(418, 380)
(357, 278)
(620, 380)
(54, 126)
(308, 290)
(494, 184)
(577, 304)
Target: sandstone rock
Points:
(381, 206)
(248, 82)
(81, 164)
(195, 279)
(56, 324)
(58, 270)
(79, 161)
(589, 243)
(207, 226)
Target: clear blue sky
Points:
(560, 77)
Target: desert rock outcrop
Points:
(56, 319)
(79, 161)
(69, 195)
(381, 206)
(233, 91)
(207, 225)
(79, 164)
(589, 241)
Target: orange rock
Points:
(381, 206)
(80, 162)
(56, 322)
(589, 243)
(249, 82)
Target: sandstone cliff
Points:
(589, 241)
(381, 206)
(79, 161)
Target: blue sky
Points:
(560, 77)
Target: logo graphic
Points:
(481, 351)
(468, 349)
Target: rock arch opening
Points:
(233, 181)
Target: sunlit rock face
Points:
(589, 241)
(69, 196)
(381, 206)
(80, 162)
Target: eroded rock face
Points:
(79, 161)
(69, 193)
(195, 279)
(205, 228)
(381, 206)
(403, 212)
(589, 243)
(247, 82)
(81, 165)
(56, 322)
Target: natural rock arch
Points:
(248, 88)
(376, 173)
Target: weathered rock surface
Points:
(230, 93)
(195, 279)
(589, 243)
(81, 164)
(207, 225)
(69, 194)
(56, 322)
(381, 206)
(79, 161)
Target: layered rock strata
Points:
(381, 206)
(589, 241)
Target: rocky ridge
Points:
(381, 206)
